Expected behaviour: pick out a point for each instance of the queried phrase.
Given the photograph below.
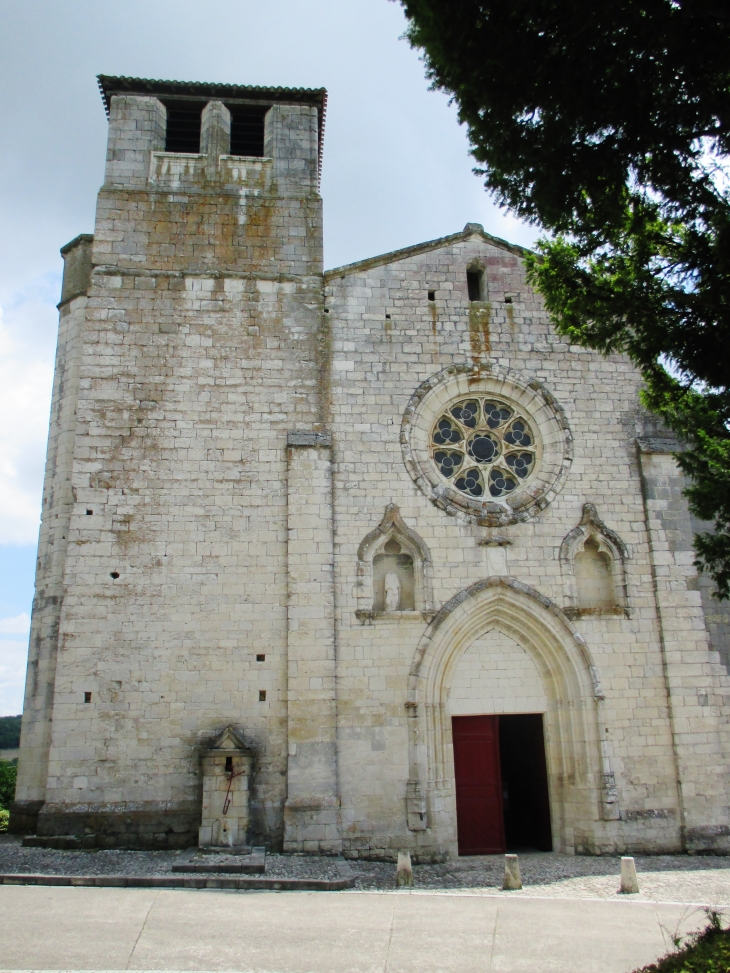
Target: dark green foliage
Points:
(8, 776)
(609, 125)
(9, 732)
(707, 952)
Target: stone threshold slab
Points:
(250, 862)
(182, 882)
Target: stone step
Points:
(61, 842)
(251, 861)
(182, 882)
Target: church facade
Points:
(375, 540)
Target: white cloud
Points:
(17, 625)
(26, 374)
(13, 657)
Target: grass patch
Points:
(704, 952)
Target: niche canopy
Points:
(495, 448)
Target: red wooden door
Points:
(479, 817)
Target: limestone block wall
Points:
(136, 129)
(496, 675)
(242, 527)
(387, 339)
(697, 682)
(201, 333)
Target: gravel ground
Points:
(15, 858)
(300, 866)
(664, 878)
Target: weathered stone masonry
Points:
(241, 485)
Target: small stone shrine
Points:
(226, 769)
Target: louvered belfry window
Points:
(247, 129)
(183, 126)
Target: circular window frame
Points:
(553, 443)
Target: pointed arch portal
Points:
(577, 767)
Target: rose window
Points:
(483, 447)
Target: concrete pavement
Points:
(351, 932)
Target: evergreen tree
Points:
(8, 777)
(608, 124)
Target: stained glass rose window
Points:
(483, 447)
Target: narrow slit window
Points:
(247, 129)
(183, 127)
(432, 295)
(475, 284)
(87, 697)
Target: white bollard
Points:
(512, 877)
(404, 871)
(629, 881)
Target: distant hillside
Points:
(9, 732)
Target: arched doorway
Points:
(497, 703)
(558, 683)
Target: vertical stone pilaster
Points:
(312, 813)
(215, 131)
(696, 682)
(136, 129)
(291, 138)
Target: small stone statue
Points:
(392, 592)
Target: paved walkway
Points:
(332, 932)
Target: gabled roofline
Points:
(200, 90)
(471, 229)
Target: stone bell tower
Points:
(188, 404)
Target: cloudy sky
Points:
(396, 172)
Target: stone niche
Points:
(226, 767)
(393, 580)
(393, 570)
